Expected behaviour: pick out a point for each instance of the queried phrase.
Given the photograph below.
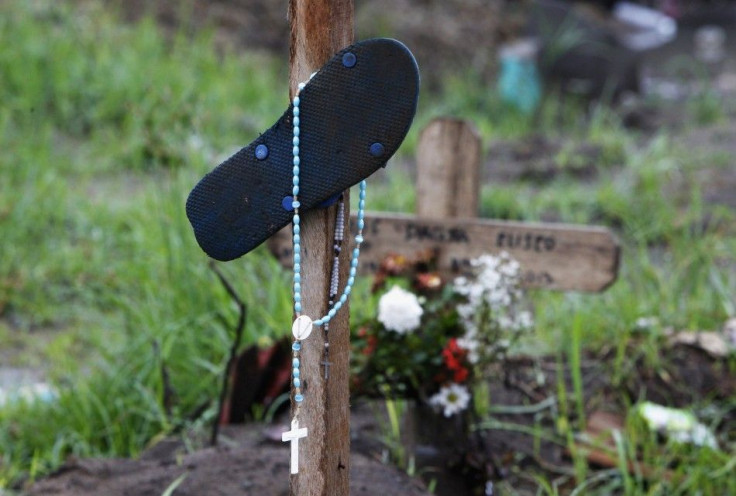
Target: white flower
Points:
(469, 342)
(399, 310)
(452, 399)
(524, 320)
(491, 312)
(494, 284)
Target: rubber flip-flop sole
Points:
(354, 114)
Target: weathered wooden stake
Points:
(319, 28)
(448, 170)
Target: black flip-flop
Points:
(354, 114)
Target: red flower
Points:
(454, 357)
(451, 361)
(370, 341)
(370, 346)
(461, 375)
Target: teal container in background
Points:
(519, 82)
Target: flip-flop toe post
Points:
(354, 114)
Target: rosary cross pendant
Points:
(293, 437)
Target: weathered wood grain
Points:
(320, 28)
(552, 256)
(448, 169)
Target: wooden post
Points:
(448, 170)
(319, 28)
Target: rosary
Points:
(302, 327)
(361, 104)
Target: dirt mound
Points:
(245, 463)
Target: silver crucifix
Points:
(293, 436)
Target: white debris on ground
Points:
(34, 392)
(718, 344)
(19, 384)
(676, 424)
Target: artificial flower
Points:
(454, 356)
(491, 313)
(428, 281)
(452, 399)
(399, 310)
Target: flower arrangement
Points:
(431, 338)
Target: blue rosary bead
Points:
(298, 398)
(297, 382)
(296, 346)
(295, 362)
(295, 204)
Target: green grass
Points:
(106, 126)
(104, 129)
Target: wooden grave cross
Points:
(551, 255)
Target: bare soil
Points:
(251, 460)
(247, 462)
